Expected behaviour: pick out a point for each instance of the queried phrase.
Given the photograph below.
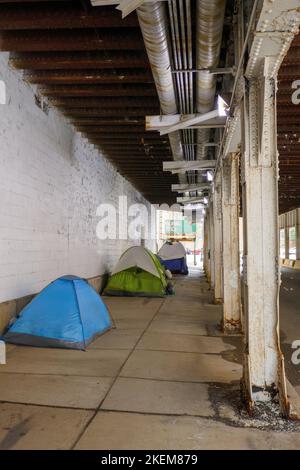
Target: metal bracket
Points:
(245, 274)
(277, 270)
(212, 71)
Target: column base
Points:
(207, 275)
(274, 396)
(218, 301)
(232, 326)
(259, 397)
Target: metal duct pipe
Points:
(181, 46)
(153, 24)
(210, 20)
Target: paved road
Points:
(290, 321)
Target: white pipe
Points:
(153, 24)
(210, 20)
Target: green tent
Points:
(137, 273)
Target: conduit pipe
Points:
(181, 46)
(210, 21)
(153, 24)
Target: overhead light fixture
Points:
(193, 207)
(205, 200)
(209, 176)
(223, 107)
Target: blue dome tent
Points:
(173, 257)
(68, 313)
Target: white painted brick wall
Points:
(51, 182)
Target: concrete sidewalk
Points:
(165, 378)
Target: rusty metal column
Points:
(206, 262)
(211, 245)
(298, 233)
(217, 233)
(286, 238)
(263, 361)
(205, 242)
(231, 256)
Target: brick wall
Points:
(51, 182)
